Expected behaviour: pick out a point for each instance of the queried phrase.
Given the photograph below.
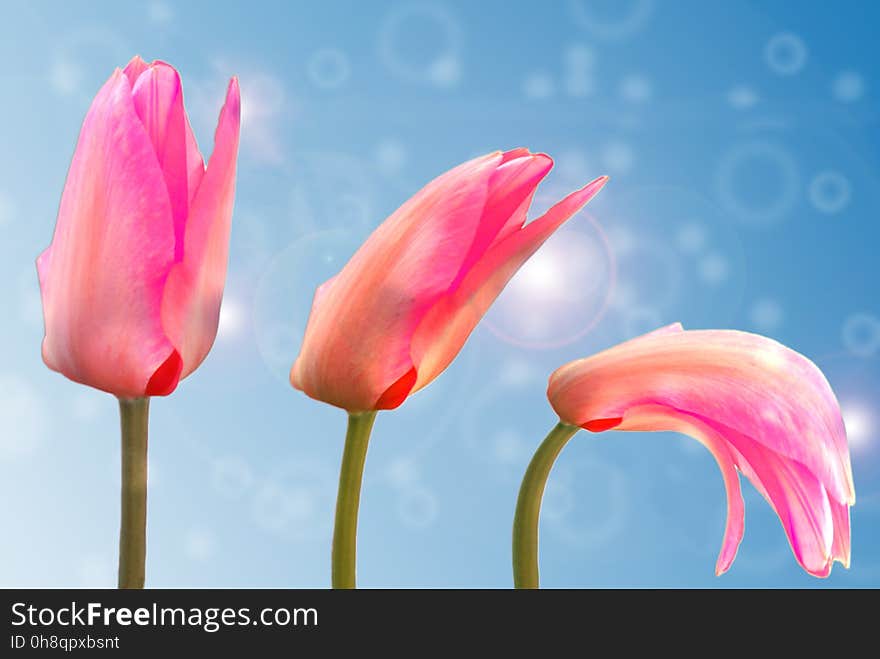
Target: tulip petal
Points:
(518, 217)
(795, 494)
(764, 401)
(134, 69)
(402, 269)
(43, 266)
(158, 100)
(653, 418)
(512, 185)
(744, 381)
(195, 163)
(798, 498)
(102, 278)
(193, 293)
(447, 325)
(512, 154)
(314, 315)
(840, 550)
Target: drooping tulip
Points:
(132, 282)
(402, 308)
(759, 407)
(133, 279)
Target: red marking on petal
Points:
(598, 425)
(166, 377)
(397, 392)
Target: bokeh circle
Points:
(296, 500)
(593, 16)
(829, 192)
(328, 68)
(786, 53)
(586, 503)
(417, 507)
(284, 293)
(861, 334)
(758, 182)
(421, 43)
(848, 87)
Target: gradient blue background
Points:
(742, 142)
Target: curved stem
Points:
(354, 455)
(528, 506)
(134, 415)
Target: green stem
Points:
(134, 415)
(354, 455)
(528, 506)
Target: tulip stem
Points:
(354, 455)
(134, 415)
(528, 506)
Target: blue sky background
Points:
(742, 141)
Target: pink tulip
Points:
(759, 407)
(402, 308)
(133, 279)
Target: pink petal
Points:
(512, 154)
(195, 164)
(650, 418)
(358, 345)
(134, 69)
(102, 277)
(511, 188)
(840, 550)
(745, 389)
(43, 267)
(445, 328)
(158, 100)
(517, 218)
(191, 307)
(743, 381)
(321, 293)
(317, 303)
(798, 497)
